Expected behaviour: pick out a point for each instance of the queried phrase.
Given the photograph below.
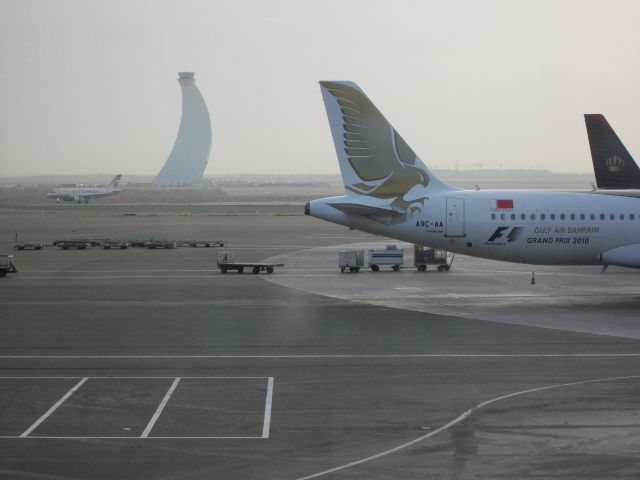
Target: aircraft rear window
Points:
(602, 216)
(631, 217)
(542, 216)
(513, 216)
(562, 216)
(533, 216)
(493, 216)
(622, 216)
(592, 216)
(553, 216)
(523, 216)
(612, 216)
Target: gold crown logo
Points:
(614, 164)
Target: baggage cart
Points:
(392, 255)
(7, 265)
(351, 259)
(227, 262)
(424, 256)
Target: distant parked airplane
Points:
(83, 194)
(390, 192)
(613, 165)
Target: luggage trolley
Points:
(423, 256)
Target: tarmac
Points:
(138, 363)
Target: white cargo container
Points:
(392, 255)
(351, 259)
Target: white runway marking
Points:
(45, 437)
(267, 409)
(459, 419)
(266, 425)
(160, 408)
(40, 377)
(319, 356)
(28, 431)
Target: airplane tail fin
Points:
(115, 183)
(374, 159)
(614, 167)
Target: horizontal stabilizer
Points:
(378, 213)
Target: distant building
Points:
(190, 153)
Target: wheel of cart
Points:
(223, 269)
(422, 268)
(240, 269)
(354, 269)
(256, 270)
(342, 269)
(396, 268)
(269, 269)
(375, 268)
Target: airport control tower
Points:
(190, 153)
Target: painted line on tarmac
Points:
(266, 424)
(96, 277)
(160, 408)
(320, 356)
(459, 419)
(53, 408)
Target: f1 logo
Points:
(501, 233)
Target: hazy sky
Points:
(90, 86)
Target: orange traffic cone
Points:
(533, 278)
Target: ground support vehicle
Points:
(423, 256)
(73, 244)
(7, 265)
(392, 255)
(227, 262)
(161, 244)
(353, 260)
(115, 244)
(29, 246)
(204, 243)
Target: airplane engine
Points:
(626, 256)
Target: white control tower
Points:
(190, 153)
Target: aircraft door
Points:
(455, 218)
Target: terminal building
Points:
(190, 153)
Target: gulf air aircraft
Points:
(83, 194)
(613, 165)
(389, 191)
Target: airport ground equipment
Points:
(29, 246)
(204, 243)
(88, 242)
(114, 244)
(424, 256)
(7, 265)
(391, 255)
(138, 243)
(73, 244)
(227, 262)
(167, 244)
(351, 259)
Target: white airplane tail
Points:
(115, 183)
(375, 161)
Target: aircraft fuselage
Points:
(538, 227)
